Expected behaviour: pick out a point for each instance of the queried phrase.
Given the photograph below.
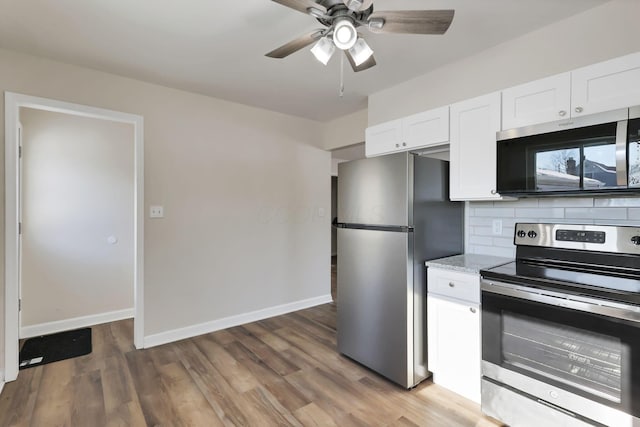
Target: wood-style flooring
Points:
(283, 371)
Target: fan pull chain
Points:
(341, 91)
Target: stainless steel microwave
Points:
(597, 154)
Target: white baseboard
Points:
(75, 323)
(231, 321)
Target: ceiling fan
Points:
(342, 18)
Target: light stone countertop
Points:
(467, 263)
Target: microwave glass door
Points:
(566, 161)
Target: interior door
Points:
(375, 277)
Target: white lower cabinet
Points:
(453, 328)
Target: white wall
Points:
(571, 210)
(345, 131)
(595, 35)
(242, 189)
(77, 192)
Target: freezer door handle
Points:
(396, 228)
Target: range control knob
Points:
(635, 240)
(522, 234)
(532, 234)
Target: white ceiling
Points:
(217, 47)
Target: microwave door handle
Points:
(621, 153)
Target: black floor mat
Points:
(52, 348)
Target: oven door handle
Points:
(578, 303)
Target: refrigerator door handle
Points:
(396, 228)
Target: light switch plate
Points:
(156, 212)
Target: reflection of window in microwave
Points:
(562, 169)
(600, 164)
(634, 164)
(558, 169)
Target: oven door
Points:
(578, 355)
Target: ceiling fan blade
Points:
(364, 66)
(412, 21)
(295, 45)
(302, 5)
(357, 5)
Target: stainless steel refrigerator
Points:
(394, 214)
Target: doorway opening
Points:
(30, 107)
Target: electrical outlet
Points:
(497, 227)
(156, 212)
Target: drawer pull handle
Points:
(471, 309)
(452, 285)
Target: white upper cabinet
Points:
(474, 124)
(540, 101)
(606, 86)
(427, 128)
(383, 138)
(417, 131)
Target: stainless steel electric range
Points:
(561, 328)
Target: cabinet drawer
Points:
(452, 284)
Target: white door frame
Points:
(12, 103)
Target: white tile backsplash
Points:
(540, 213)
(567, 202)
(621, 202)
(494, 212)
(564, 210)
(596, 213)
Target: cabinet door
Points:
(426, 129)
(383, 138)
(606, 86)
(474, 124)
(454, 345)
(541, 101)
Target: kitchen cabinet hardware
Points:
(579, 109)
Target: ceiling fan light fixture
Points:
(360, 51)
(344, 34)
(315, 12)
(376, 24)
(354, 4)
(323, 50)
